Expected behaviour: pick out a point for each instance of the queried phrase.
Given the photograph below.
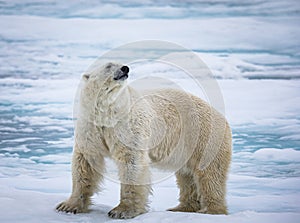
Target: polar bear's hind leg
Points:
(188, 198)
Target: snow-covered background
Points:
(251, 46)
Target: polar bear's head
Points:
(106, 80)
(108, 76)
(103, 93)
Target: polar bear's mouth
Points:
(122, 74)
(121, 77)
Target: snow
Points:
(251, 47)
(279, 155)
(34, 203)
(230, 41)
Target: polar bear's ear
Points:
(85, 77)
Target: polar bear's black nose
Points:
(121, 74)
(125, 69)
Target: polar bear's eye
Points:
(86, 76)
(108, 66)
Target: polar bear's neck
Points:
(107, 110)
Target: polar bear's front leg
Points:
(135, 187)
(85, 178)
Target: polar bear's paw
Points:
(125, 212)
(71, 206)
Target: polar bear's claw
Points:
(124, 213)
(68, 208)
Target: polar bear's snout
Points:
(122, 74)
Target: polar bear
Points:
(166, 128)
